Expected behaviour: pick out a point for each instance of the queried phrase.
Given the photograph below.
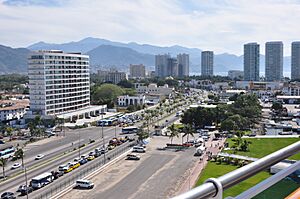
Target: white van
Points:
(138, 149)
(84, 184)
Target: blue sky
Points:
(219, 25)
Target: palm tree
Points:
(9, 131)
(188, 130)
(174, 132)
(20, 154)
(3, 163)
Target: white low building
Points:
(153, 89)
(292, 89)
(12, 110)
(126, 100)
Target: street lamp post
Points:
(79, 144)
(103, 140)
(116, 130)
(26, 182)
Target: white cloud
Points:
(223, 26)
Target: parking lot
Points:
(158, 174)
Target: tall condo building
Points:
(59, 82)
(137, 71)
(172, 67)
(112, 76)
(161, 65)
(183, 65)
(207, 63)
(295, 69)
(251, 62)
(274, 61)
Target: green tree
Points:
(9, 131)
(3, 163)
(240, 144)
(173, 132)
(188, 130)
(277, 106)
(125, 84)
(233, 123)
(142, 135)
(106, 94)
(129, 91)
(20, 155)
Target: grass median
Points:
(261, 147)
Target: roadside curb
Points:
(94, 173)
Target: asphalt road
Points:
(56, 148)
(86, 134)
(59, 145)
(129, 185)
(12, 184)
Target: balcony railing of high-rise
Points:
(214, 187)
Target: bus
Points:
(41, 180)
(6, 151)
(130, 129)
(108, 122)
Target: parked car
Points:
(57, 174)
(15, 166)
(21, 187)
(104, 150)
(67, 169)
(91, 157)
(138, 149)
(83, 161)
(40, 156)
(111, 147)
(8, 195)
(132, 157)
(86, 184)
(61, 167)
(24, 190)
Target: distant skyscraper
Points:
(161, 65)
(295, 60)
(274, 61)
(251, 62)
(137, 71)
(183, 65)
(172, 68)
(207, 63)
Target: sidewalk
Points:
(193, 173)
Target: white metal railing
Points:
(213, 188)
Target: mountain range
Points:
(105, 53)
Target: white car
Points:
(15, 165)
(84, 184)
(40, 156)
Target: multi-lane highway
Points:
(60, 151)
(54, 159)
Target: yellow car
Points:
(68, 169)
(91, 157)
(111, 147)
(76, 165)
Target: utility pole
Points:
(26, 182)
(79, 144)
(116, 130)
(103, 140)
